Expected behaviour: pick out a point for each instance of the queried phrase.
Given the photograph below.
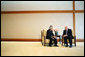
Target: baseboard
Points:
(33, 40)
(80, 40)
(14, 39)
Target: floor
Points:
(36, 49)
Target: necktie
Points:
(66, 32)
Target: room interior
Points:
(23, 21)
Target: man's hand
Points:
(65, 35)
(51, 36)
(54, 37)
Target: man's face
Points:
(66, 28)
(51, 28)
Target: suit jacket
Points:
(49, 34)
(69, 32)
(56, 33)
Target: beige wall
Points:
(30, 25)
(79, 25)
(35, 5)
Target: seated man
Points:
(67, 34)
(51, 36)
(57, 35)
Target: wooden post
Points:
(74, 17)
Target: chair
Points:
(43, 36)
(73, 39)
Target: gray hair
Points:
(50, 27)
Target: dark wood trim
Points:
(73, 5)
(79, 11)
(79, 40)
(52, 11)
(15, 39)
(74, 17)
(33, 40)
(57, 11)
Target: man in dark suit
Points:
(51, 36)
(67, 34)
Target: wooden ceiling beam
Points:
(52, 11)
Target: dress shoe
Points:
(56, 45)
(50, 45)
(66, 46)
(70, 46)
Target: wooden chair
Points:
(45, 41)
(43, 37)
(73, 39)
